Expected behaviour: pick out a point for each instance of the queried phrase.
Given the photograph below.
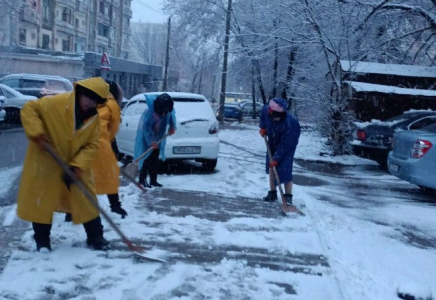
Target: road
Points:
(343, 186)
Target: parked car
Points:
(37, 85)
(374, 141)
(413, 157)
(247, 108)
(2, 109)
(13, 102)
(196, 137)
(233, 110)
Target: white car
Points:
(196, 136)
(13, 102)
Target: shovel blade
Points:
(131, 169)
(291, 209)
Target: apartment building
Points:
(76, 26)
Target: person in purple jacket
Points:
(283, 132)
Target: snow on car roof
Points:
(179, 95)
(388, 89)
(36, 76)
(389, 69)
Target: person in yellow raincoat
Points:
(105, 166)
(70, 124)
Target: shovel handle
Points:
(91, 197)
(274, 170)
(149, 149)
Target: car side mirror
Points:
(2, 97)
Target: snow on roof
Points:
(387, 89)
(389, 69)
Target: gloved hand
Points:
(171, 131)
(262, 132)
(41, 139)
(68, 180)
(273, 163)
(154, 145)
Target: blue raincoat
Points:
(151, 128)
(283, 138)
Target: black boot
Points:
(153, 179)
(272, 196)
(42, 235)
(115, 204)
(143, 177)
(156, 184)
(288, 198)
(94, 231)
(68, 217)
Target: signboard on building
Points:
(105, 63)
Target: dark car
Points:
(247, 108)
(37, 85)
(233, 110)
(374, 140)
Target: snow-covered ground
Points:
(365, 255)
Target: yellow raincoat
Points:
(105, 165)
(42, 190)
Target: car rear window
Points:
(187, 99)
(56, 85)
(33, 83)
(429, 128)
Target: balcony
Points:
(28, 15)
(66, 28)
(68, 3)
(128, 12)
(81, 7)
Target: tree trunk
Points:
(224, 73)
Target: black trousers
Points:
(93, 228)
(114, 200)
(150, 167)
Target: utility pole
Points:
(226, 53)
(167, 57)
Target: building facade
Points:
(75, 26)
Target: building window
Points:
(46, 11)
(101, 49)
(102, 7)
(103, 30)
(22, 37)
(45, 41)
(33, 35)
(66, 45)
(66, 15)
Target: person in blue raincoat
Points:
(283, 132)
(155, 121)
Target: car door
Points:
(247, 108)
(129, 125)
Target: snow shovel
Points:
(137, 250)
(285, 207)
(132, 168)
(132, 179)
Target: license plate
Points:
(187, 150)
(394, 167)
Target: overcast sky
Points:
(148, 11)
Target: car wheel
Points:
(210, 164)
(383, 163)
(12, 115)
